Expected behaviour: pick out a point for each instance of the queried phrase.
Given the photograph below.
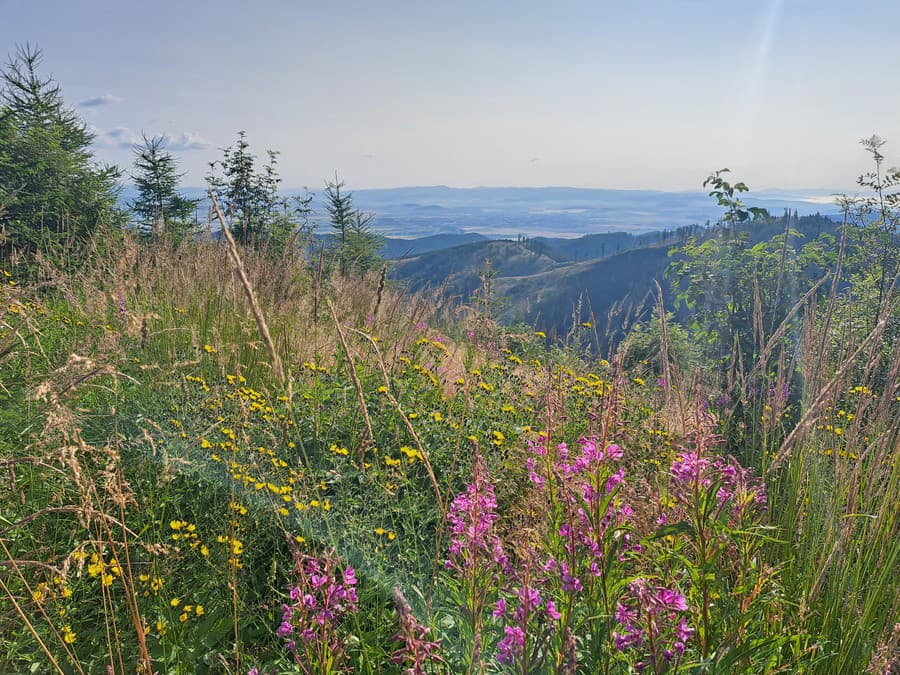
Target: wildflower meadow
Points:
(420, 494)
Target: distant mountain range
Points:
(558, 256)
(558, 211)
(415, 212)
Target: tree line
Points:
(54, 194)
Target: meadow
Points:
(338, 476)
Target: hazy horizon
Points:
(805, 192)
(649, 95)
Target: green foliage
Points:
(715, 276)
(160, 209)
(259, 215)
(735, 210)
(356, 244)
(739, 294)
(52, 193)
(873, 256)
(642, 345)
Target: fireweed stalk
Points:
(416, 649)
(711, 522)
(588, 539)
(651, 620)
(475, 557)
(311, 622)
(527, 616)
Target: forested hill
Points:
(544, 280)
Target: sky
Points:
(627, 94)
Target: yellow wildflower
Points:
(68, 634)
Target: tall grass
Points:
(155, 461)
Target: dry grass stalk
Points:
(31, 629)
(412, 431)
(822, 397)
(248, 290)
(14, 564)
(351, 368)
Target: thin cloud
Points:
(367, 156)
(126, 138)
(120, 137)
(187, 140)
(97, 101)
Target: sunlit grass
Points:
(164, 493)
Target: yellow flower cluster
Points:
(58, 590)
(381, 532)
(68, 634)
(235, 547)
(412, 454)
(107, 571)
(187, 532)
(313, 368)
(154, 584)
(186, 612)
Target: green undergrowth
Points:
(163, 486)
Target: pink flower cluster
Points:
(585, 487)
(323, 596)
(652, 618)
(529, 605)
(736, 488)
(471, 517)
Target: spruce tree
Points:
(259, 214)
(160, 208)
(52, 191)
(356, 244)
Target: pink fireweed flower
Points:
(512, 644)
(533, 476)
(552, 612)
(537, 447)
(737, 492)
(319, 602)
(615, 480)
(688, 467)
(683, 633)
(570, 583)
(671, 599)
(614, 453)
(652, 616)
(529, 599)
(471, 516)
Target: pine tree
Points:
(356, 244)
(259, 214)
(51, 189)
(362, 242)
(340, 209)
(160, 209)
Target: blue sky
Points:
(633, 93)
